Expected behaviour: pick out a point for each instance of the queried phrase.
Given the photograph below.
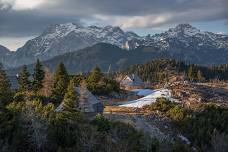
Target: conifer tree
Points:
(5, 91)
(23, 79)
(93, 80)
(95, 75)
(38, 77)
(61, 80)
(70, 101)
(70, 105)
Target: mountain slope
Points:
(63, 38)
(5, 53)
(102, 54)
(182, 42)
(188, 43)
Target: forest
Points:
(160, 70)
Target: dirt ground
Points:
(150, 123)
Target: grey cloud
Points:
(140, 7)
(30, 22)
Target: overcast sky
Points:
(21, 20)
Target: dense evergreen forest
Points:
(160, 70)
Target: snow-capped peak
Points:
(183, 30)
(183, 35)
(62, 38)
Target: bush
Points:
(19, 96)
(161, 104)
(177, 113)
(101, 123)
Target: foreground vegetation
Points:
(30, 122)
(205, 125)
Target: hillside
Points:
(106, 56)
(4, 54)
(188, 43)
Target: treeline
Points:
(161, 69)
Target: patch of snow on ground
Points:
(143, 92)
(151, 98)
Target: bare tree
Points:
(47, 83)
(83, 99)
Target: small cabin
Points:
(88, 103)
(132, 81)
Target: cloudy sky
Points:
(21, 20)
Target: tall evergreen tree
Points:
(93, 80)
(5, 91)
(38, 76)
(71, 100)
(61, 80)
(95, 75)
(70, 105)
(23, 79)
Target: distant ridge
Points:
(183, 42)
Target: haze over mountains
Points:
(181, 42)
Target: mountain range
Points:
(85, 46)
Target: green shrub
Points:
(177, 113)
(161, 104)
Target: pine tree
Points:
(47, 83)
(61, 80)
(70, 104)
(23, 79)
(38, 77)
(95, 75)
(5, 91)
(93, 80)
(70, 101)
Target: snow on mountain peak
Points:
(183, 30)
(61, 38)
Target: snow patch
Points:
(149, 99)
(143, 92)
